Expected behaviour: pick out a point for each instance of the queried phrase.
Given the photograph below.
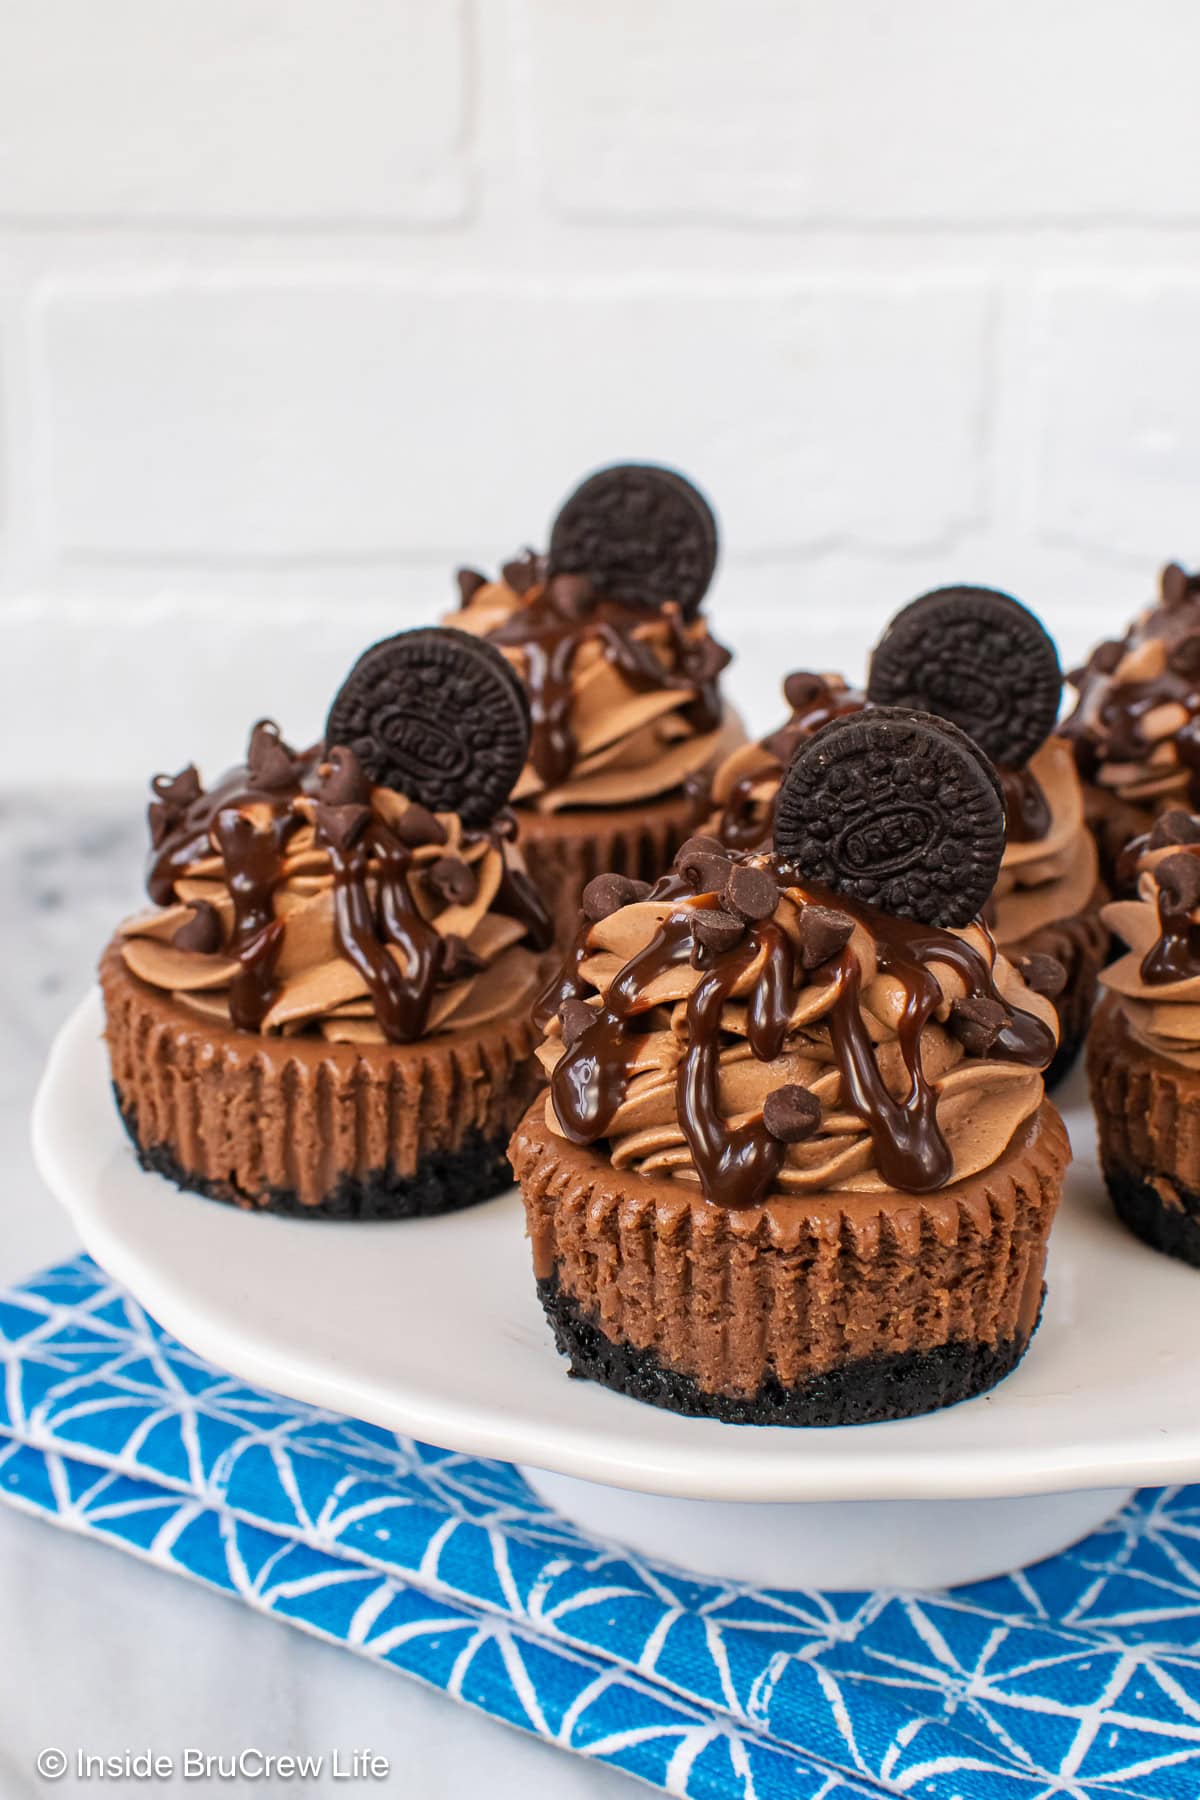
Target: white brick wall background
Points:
(302, 301)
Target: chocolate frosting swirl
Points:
(295, 897)
(1157, 980)
(624, 696)
(741, 1028)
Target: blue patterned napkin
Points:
(1079, 1677)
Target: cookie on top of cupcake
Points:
(796, 1164)
(326, 1009)
(985, 662)
(607, 633)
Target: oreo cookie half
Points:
(898, 809)
(640, 533)
(978, 658)
(439, 715)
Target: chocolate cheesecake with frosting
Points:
(985, 662)
(1144, 1047)
(606, 632)
(325, 1011)
(1135, 728)
(796, 1164)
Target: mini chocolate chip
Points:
(716, 930)
(977, 1023)
(791, 1113)
(1105, 657)
(180, 790)
(344, 782)
(341, 826)
(823, 932)
(1178, 879)
(574, 1019)
(1184, 658)
(202, 932)
(1174, 827)
(1173, 585)
(458, 958)
(1042, 974)
(573, 594)
(801, 688)
(268, 759)
(702, 659)
(606, 894)
(522, 573)
(469, 583)
(452, 879)
(750, 892)
(705, 864)
(417, 826)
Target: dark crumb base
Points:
(446, 1181)
(861, 1392)
(1175, 1232)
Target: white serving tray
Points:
(432, 1328)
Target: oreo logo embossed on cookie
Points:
(440, 716)
(978, 658)
(896, 808)
(639, 532)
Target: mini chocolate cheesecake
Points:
(607, 635)
(1144, 1048)
(326, 1009)
(796, 1164)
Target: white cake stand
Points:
(432, 1328)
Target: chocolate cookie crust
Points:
(445, 1181)
(758, 1308)
(861, 1391)
(1174, 1229)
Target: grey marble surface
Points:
(97, 1650)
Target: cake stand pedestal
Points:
(835, 1545)
(432, 1328)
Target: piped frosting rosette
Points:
(1157, 980)
(311, 894)
(979, 1100)
(605, 633)
(1053, 876)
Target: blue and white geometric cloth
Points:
(1078, 1678)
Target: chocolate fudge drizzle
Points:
(1175, 955)
(736, 1167)
(249, 821)
(1026, 814)
(559, 614)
